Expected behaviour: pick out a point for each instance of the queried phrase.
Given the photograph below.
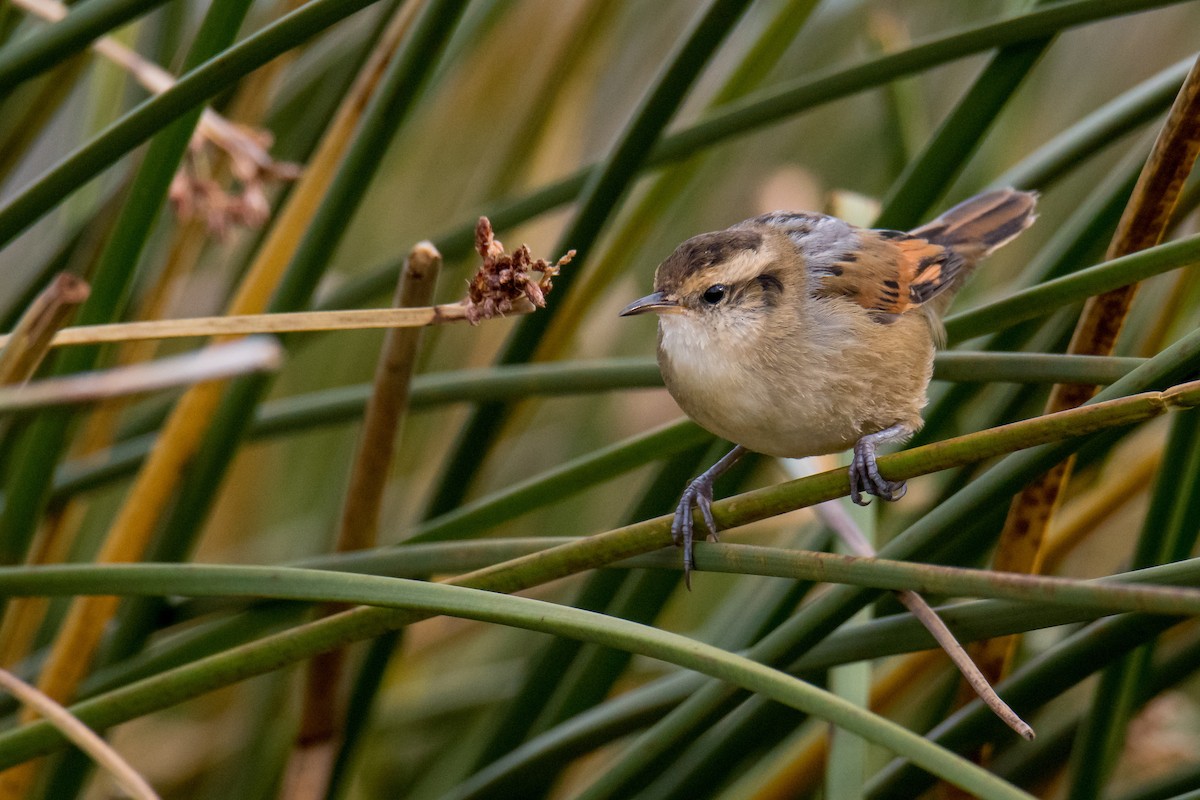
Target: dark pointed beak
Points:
(656, 302)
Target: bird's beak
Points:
(657, 302)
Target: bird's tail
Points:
(976, 227)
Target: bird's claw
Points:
(865, 477)
(698, 494)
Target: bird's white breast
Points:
(806, 394)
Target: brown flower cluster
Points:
(503, 280)
(198, 190)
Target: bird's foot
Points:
(698, 494)
(864, 472)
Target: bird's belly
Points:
(804, 396)
(758, 415)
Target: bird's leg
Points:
(699, 494)
(864, 471)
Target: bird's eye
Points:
(714, 294)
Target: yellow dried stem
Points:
(179, 438)
(23, 615)
(501, 286)
(247, 324)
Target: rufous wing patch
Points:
(891, 272)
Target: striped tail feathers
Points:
(976, 227)
(891, 272)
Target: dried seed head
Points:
(504, 278)
(197, 192)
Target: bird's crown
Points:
(730, 255)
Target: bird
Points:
(796, 334)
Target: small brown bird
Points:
(796, 334)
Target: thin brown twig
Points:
(502, 285)
(151, 76)
(833, 515)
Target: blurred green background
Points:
(523, 94)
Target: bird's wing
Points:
(885, 272)
(888, 272)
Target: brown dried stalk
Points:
(312, 758)
(30, 340)
(1144, 223)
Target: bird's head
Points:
(716, 279)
